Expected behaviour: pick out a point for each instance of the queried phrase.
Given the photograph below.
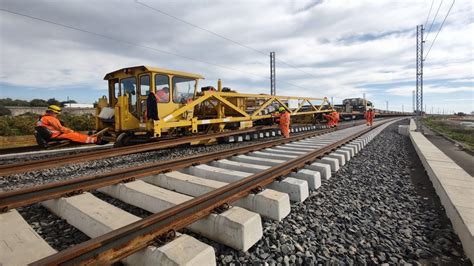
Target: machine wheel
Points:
(122, 140)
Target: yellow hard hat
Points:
(281, 109)
(54, 108)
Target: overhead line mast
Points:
(272, 74)
(419, 76)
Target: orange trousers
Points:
(370, 121)
(285, 130)
(285, 124)
(331, 120)
(77, 137)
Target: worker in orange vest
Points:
(335, 116)
(332, 118)
(283, 118)
(369, 116)
(54, 129)
(329, 119)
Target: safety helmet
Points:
(281, 109)
(54, 108)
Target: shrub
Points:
(38, 103)
(24, 124)
(4, 111)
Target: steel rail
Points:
(11, 169)
(22, 197)
(54, 162)
(124, 241)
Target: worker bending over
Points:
(54, 129)
(369, 116)
(332, 118)
(283, 118)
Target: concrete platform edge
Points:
(458, 215)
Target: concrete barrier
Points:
(19, 110)
(454, 186)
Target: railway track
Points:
(48, 163)
(261, 178)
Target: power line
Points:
(219, 35)
(128, 42)
(432, 22)
(447, 14)
(138, 45)
(432, 1)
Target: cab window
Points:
(162, 88)
(129, 87)
(183, 89)
(144, 85)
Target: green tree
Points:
(53, 101)
(38, 103)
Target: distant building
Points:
(78, 105)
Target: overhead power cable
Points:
(219, 35)
(447, 14)
(432, 1)
(139, 45)
(128, 42)
(432, 22)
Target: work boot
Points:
(41, 142)
(101, 141)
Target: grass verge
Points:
(453, 131)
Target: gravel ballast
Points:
(29, 179)
(378, 208)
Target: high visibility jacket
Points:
(162, 96)
(52, 124)
(328, 117)
(369, 114)
(285, 119)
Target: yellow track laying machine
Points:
(146, 103)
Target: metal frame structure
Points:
(225, 101)
(419, 76)
(272, 74)
(208, 110)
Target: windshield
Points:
(183, 89)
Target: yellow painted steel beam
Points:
(187, 107)
(243, 95)
(263, 106)
(230, 105)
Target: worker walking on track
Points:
(54, 129)
(335, 116)
(369, 116)
(283, 118)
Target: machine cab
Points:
(129, 91)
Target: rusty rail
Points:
(48, 163)
(124, 241)
(22, 197)
(11, 169)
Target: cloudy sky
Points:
(327, 48)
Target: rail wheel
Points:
(122, 140)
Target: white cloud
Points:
(343, 44)
(407, 90)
